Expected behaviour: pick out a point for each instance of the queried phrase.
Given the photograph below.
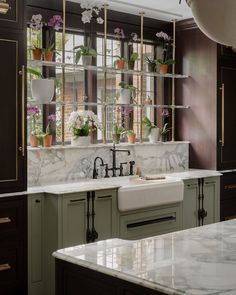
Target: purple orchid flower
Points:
(55, 22)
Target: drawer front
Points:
(228, 186)
(149, 223)
(12, 216)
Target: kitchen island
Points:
(198, 261)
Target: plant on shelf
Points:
(47, 138)
(164, 132)
(151, 64)
(131, 136)
(127, 92)
(117, 133)
(120, 62)
(132, 59)
(36, 25)
(166, 59)
(151, 130)
(33, 115)
(81, 124)
(87, 54)
(42, 90)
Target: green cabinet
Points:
(201, 203)
(151, 221)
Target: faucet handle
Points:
(131, 167)
(122, 168)
(106, 171)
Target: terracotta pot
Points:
(121, 64)
(163, 69)
(48, 56)
(34, 142)
(47, 140)
(37, 54)
(131, 138)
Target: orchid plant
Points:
(51, 119)
(55, 23)
(80, 123)
(36, 25)
(166, 43)
(33, 114)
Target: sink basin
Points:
(141, 193)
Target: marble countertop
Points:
(199, 261)
(107, 183)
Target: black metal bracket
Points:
(93, 230)
(88, 231)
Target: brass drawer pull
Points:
(5, 266)
(5, 220)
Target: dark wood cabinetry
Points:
(13, 246)
(12, 101)
(210, 92)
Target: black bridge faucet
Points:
(114, 150)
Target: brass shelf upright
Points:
(173, 80)
(142, 77)
(63, 74)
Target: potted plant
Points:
(87, 54)
(42, 89)
(164, 132)
(47, 138)
(33, 114)
(166, 44)
(151, 131)
(131, 136)
(36, 25)
(126, 92)
(131, 61)
(81, 124)
(151, 64)
(118, 132)
(48, 53)
(36, 51)
(120, 62)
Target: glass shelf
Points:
(91, 104)
(109, 70)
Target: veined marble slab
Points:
(199, 261)
(70, 164)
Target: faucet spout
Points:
(95, 172)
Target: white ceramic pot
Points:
(154, 135)
(80, 140)
(125, 96)
(42, 90)
(87, 60)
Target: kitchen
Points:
(178, 174)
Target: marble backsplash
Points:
(70, 164)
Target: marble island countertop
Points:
(199, 261)
(107, 183)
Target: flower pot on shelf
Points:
(163, 69)
(80, 140)
(151, 67)
(48, 56)
(37, 54)
(42, 90)
(34, 141)
(47, 140)
(116, 138)
(154, 135)
(131, 138)
(120, 64)
(87, 60)
(125, 96)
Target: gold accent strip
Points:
(5, 220)
(22, 149)
(17, 46)
(173, 80)
(63, 74)
(141, 78)
(5, 266)
(222, 141)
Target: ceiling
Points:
(159, 9)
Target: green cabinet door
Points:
(106, 214)
(211, 201)
(74, 212)
(190, 204)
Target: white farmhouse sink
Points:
(146, 193)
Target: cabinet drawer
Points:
(228, 186)
(148, 223)
(12, 216)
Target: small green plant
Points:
(166, 62)
(148, 125)
(82, 131)
(130, 132)
(34, 72)
(164, 132)
(125, 85)
(152, 63)
(82, 50)
(132, 59)
(119, 130)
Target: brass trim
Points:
(16, 18)
(5, 266)
(63, 74)
(173, 81)
(17, 49)
(141, 78)
(222, 140)
(5, 220)
(22, 73)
